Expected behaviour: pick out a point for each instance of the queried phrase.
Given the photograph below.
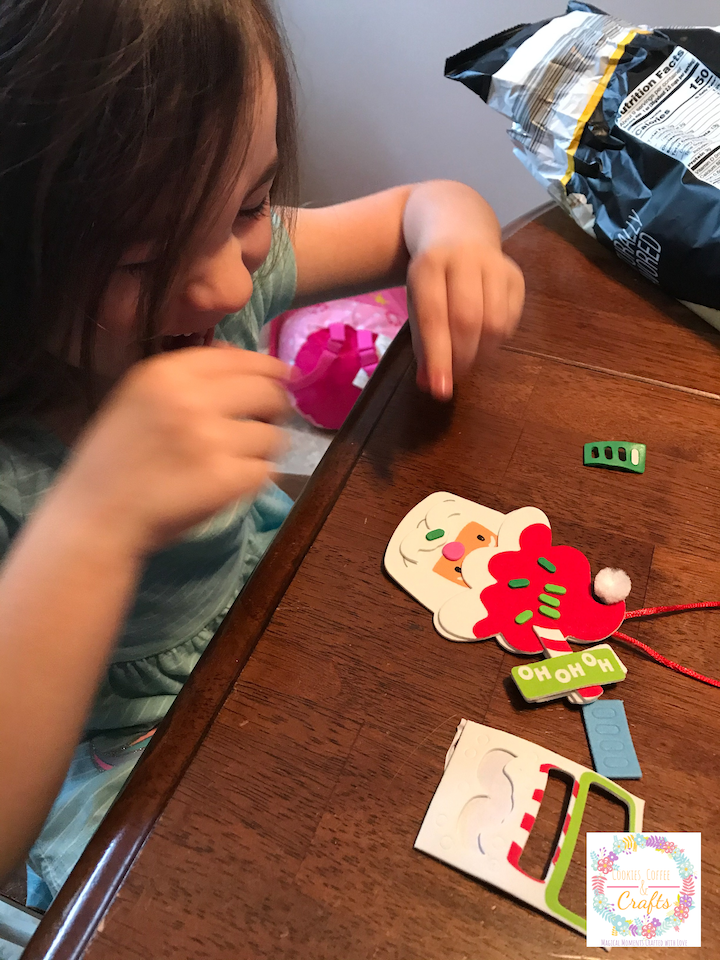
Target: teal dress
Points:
(185, 592)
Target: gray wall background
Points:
(375, 109)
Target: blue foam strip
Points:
(610, 741)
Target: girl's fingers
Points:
(237, 362)
(516, 295)
(417, 344)
(249, 398)
(466, 309)
(429, 294)
(458, 308)
(253, 440)
(495, 317)
(250, 476)
(225, 359)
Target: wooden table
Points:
(274, 815)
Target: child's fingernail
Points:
(443, 387)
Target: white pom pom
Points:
(612, 585)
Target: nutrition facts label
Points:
(677, 110)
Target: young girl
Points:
(146, 175)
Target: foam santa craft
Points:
(531, 596)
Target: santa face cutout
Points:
(428, 552)
(472, 536)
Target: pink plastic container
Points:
(335, 348)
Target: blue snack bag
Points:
(621, 124)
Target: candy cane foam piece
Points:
(554, 645)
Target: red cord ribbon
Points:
(676, 608)
(651, 611)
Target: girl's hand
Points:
(464, 291)
(183, 435)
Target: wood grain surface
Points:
(584, 305)
(306, 749)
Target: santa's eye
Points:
(480, 536)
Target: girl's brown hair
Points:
(120, 121)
